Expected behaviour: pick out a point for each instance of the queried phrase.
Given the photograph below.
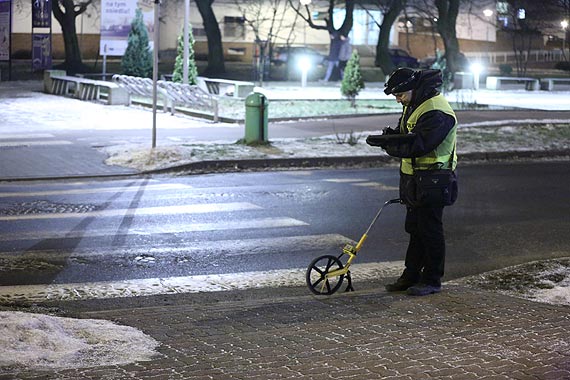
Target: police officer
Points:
(430, 125)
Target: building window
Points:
(234, 27)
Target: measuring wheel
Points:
(316, 275)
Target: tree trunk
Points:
(215, 48)
(383, 59)
(447, 11)
(66, 18)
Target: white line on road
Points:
(161, 229)
(186, 284)
(200, 249)
(344, 180)
(377, 186)
(165, 210)
(14, 136)
(24, 143)
(97, 190)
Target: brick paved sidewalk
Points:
(370, 334)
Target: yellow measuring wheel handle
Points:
(362, 240)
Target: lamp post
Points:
(564, 25)
(304, 66)
(488, 13)
(305, 3)
(476, 69)
(185, 41)
(156, 38)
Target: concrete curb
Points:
(229, 166)
(203, 167)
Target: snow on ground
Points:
(545, 281)
(40, 341)
(482, 137)
(36, 341)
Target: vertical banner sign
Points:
(116, 19)
(5, 29)
(41, 13)
(41, 51)
(41, 42)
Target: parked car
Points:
(463, 63)
(291, 55)
(402, 58)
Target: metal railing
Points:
(497, 57)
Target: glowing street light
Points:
(476, 69)
(305, 2)
(488, 14)
(564, 25)
(304, 65)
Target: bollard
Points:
(256, 110)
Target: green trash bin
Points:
(256, 107)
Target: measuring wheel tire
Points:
(316, 272)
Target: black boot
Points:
(423, 289)
(399, 286)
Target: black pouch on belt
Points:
(435, 188)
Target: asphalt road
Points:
(112, 230)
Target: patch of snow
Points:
(37, 341)
(546, 281)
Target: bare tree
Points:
(265, 19)
(443, 16)
(65, 12)
(216, 64)
(390, 10)
(526, 19)
(446, 21)
(304, 11)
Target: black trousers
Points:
(425, 257)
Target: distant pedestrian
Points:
(344, 54)
(333, 55)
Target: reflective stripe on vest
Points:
(440, 157)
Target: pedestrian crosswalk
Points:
(192, 230)
(11, 140)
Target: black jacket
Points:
(430, 131)
(432, 127)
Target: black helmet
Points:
(401, 80)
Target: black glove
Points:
(390, 131)
(370, 140)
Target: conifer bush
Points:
(178, 74)
(137, 60)
(352, 82)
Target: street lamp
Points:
(305, 2)
(564, 25)
(304, 65)
(488, 13)
(476, 69)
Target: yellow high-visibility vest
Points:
(442, 154)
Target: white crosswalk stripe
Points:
(23, 136)
(260, 223)
(242, 216)
(241, 247)
(377, 186)
(24, 143)
(165, 210)
(94, 190)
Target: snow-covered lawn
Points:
(483, 137)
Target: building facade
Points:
(242, 23)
